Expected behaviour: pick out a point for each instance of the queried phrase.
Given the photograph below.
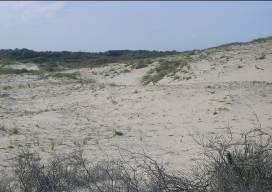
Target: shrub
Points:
(244, 166)
(74, 173)
(228, 167)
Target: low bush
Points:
(74, 173)
(229, 166)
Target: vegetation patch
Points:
(51, 60)
(166, 67)
(14, 131)
(42, 73)
(228, 46)
(73, 76)
(227, 166)
(141, 63)
(261, 57)
(117, 133)
(7, 71)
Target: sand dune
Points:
(227, 89)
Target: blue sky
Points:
(101, 26)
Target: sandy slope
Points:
(57, 115)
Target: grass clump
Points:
(7, 87)
(86, 81)
(43, 73)
(117, 133)
(73, 76)
(142, 63)
(3, 129)
(165, 68)
(261, 57)
(261, 40)
(8, 71)
(14, 131)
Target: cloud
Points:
(27, 11)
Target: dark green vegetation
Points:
(51, 61)
(228, 166)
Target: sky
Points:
(100, 26)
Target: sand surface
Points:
(228, 89)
